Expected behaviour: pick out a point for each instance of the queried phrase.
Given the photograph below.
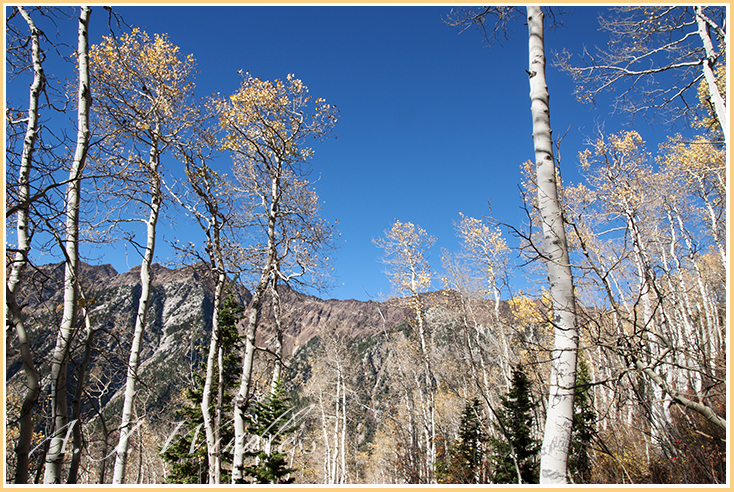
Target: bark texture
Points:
(557, 435)
(55, 455)
(716, 98)
(14, 316)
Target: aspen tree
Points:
(406, 248)
(701, 166)
(559, 416)
(143, 88)
(56, 451)
(487, 250)
(648, 42)
(216, 211)
(331, 369)
(14, 317)
(266, 125)
(208, 187)
(670, 342)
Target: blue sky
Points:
(432, 122)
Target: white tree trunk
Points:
(215, 355)
(241, 400)
(343, 474)
(55, 455)
(277, 315)
(14, 318)
(559, 418)
(708, 72)
(126, 424)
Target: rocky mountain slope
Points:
(179, 325)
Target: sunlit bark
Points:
(14, 316)
(559, 417)
(56, 451)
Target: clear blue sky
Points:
(432, 122)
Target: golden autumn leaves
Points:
(143, 91)
(147, 79)
(270, 120)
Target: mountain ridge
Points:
(177, 328)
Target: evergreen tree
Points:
(267, 423)
(466, 460)
(187, 454)
(517, 450)
(579, 463)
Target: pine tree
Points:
(466, 460)
(579, 464)
(517, 451)
(187, 454)
(267, 422)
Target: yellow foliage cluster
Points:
(484, 245)
(138, 80)
(693, 159)
(618, 172)
(270, 119)
(525, 310)
(625, 146)
(406, 246)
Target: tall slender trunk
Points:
(277, 314)
(427, 393)
(126, 424)
(218, 414)
(214, 359)
(559, 417)
(55, 455)
(14, 317)
(242, 398)
(33, 388)
(343, 475)
(714, 226)
(427, 389)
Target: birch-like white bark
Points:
(559, 417)
(277, 315)
(14, 317)
(55, 454)
(210, 422)
(708, 73)
(241, 400)
(126, 424)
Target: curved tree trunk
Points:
(559, 418)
